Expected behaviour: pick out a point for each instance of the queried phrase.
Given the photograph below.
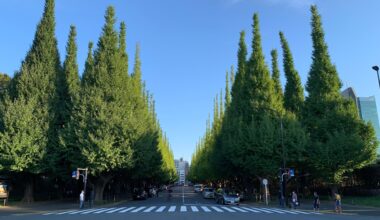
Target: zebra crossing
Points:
(183, 209)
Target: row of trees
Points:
(52, 121)
(259, 128)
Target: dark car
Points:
(139, 194)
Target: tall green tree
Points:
(279, 96)
(293, 95)
(339, 141)
(36, 83)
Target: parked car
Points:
(208, 193)
(139, 194)
(198, 188)
(227, 197)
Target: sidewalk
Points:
(325, 207)
(38, 207)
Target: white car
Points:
(198, 188)
(208, 193)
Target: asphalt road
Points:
(184, 204)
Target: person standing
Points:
(294, 200)
(316, 202)
(338, 203)
(81, 200)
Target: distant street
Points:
(184, 204)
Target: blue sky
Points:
(187, 45)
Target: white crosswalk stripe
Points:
(239, 209)
(115, 210)
(126, 210)
(205, 209)
(138, 209)
(228, 209)
(216, 209)
(182, 209)
(172, 208)
(149, 209)
(161, 209)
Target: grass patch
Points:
(362, 200)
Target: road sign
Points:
(265, 182)
(74, 174)
(291, 172)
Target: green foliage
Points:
(279, 96)
(293, 95)
(339, 141)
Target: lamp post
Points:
(376, 68)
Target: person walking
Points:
(316, 202)
(338, 203)
(294, 200)
(81, 200)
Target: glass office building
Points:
(368, 112)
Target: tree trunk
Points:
(100, 183)
(29, 190)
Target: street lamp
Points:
(376, 68)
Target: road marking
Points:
(104, 210)
(262, 210)
(161, 209)
(205, 209)
(194, 209)
(49, 213)
(127, 209)
(306, 213)
(172, 209)
(274, 210)
(149, 209)
(251, 210)
(228, 209)
(115, 210)
(93, 210)
(77, 212)
(216, 209)
(138, 209)
(286, 211)
(239, 209)
(66, 212)
(183, 209)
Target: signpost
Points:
(81, 172)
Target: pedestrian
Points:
(294, 200)
(317, 202)
(91, 198)
(338, 203)
(81, 200)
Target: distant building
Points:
(367, 110)
(182, 168)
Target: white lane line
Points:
(205, 209)
(161, 209)
(216, 209)
(115, 210)
(286, 211)
(251, 210)
(172, 209)
(183, 209)
(92, 210)
(274, 210)
(80, 211)
(66, 212)
(194, 209)
(149, 209)
(104, 210)
(138, 209)
(127, 209)
(239, 209)
(228, 209)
